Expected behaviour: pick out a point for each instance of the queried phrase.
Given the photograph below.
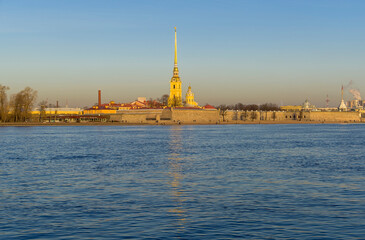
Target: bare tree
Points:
(269, 107)
(253, 115)
(16, 104)
(150, 103)
(252, 107)
(223, 110)
(4, 107)
(42, 109)
(175, 102)
(244, 116)
(164, 99)
(239, 106)
(273, 116)
(235, 115)
(22, 104)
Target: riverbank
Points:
(35, 124)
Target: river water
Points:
(183, 182)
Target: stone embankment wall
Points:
(334, 116)
(195, 116)
(254, 116)
(137, 116)
(168, 116)
(232, 115)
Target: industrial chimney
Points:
(99, 98)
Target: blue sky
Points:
(229, 51)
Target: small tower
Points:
(175, 98)
(189, 100)
(342, 106)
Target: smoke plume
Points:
(355, 93)
(348, 85)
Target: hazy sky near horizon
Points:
(230, 51)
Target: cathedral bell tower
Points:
(175, 98)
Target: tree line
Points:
(250, 107)
(238, 106)
(18, 107)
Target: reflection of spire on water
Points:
(175, 171)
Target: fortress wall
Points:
(137, 116)
(232, 115)
(228, 116)
(153, 116)
(166, 115)
(334, 116)
(323, 116)
(195, 116)
(272, 115)
(128, 118)
(295, 115)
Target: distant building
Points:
(307, 106)
(291, 108)
(209, 107)
(355, 104)
(105, 108)
(189, 99)
(112, 107)
(58, 111)
(142, 99)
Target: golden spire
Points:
(175, 49)
(176, 70)
(175, 98)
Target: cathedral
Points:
(189, 99)
(175, 97)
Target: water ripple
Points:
(183, 182)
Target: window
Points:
(174, 86)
